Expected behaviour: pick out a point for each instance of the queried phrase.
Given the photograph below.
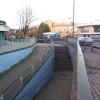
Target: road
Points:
(97, 44)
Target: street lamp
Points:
(73, 17)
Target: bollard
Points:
(91, 48)
(84, 45)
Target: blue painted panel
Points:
(38, 80)
(9, 59)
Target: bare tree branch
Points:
(26, 17)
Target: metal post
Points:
(21, 79)
(33, 68)
(73, 16)
(40, 61)
(91, 48)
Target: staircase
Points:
(62, 58)
(60, 85)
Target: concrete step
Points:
(63, 63)
(62, 58)
(63, 54)
(68, 68)
(61, 50)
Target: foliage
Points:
(19, 33)
(43, 28)
(31, 32)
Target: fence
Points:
(13, 89)
(16, 44)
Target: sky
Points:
(56, 10)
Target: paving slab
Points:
(92, 60)
(58, 88)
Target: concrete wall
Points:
(80, 84)
(4, 28)
(72, 46)
(73, 53)
(9, 59)
(38, 80)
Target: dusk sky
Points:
(56, 10)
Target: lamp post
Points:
(73, 17)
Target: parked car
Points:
(85, 40)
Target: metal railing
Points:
(16, 44)
(15, 87)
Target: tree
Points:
(32, 31)
(19, 33)
(46, 28)
(26, 17)
(43, 28)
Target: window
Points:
(97, 28)
(85, 30)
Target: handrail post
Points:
(33, 68)
(21, 80)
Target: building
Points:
(64, 29)
(3, 29)
(91, 30)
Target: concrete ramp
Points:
(58, 88)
